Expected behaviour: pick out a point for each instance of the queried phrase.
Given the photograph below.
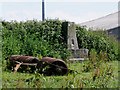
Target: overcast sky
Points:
(74, 10)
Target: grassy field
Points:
(45, 39)
(79, 79)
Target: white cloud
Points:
(61, 15)
(82, 0)
(25, 14)
(60, 0)
(0, 9)
(21, 15)
(79, 18)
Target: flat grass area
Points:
(78, 79)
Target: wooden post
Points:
(17, 66)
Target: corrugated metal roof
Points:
(107, 22)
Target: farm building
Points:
(110, 23)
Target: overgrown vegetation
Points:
(44, 39)
(99, 41)
(33, 38)
(92, 79)
(40, 39)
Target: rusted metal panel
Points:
(24, 59)
(51, 60)
(47, 65)
(56, 66)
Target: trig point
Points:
(69, 36)
(69, 30)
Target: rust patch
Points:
(47, 65)
(52, 66)
(23, 59)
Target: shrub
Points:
(44, 39)
(99, 41)
(33, 38)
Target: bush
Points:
(99, 41)
(33, 38)
(44, 39)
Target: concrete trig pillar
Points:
(69, 35)
(70, 39)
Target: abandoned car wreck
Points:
(46, 66)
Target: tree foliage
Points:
(99, 41)
(33, 38)
(39, 38)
